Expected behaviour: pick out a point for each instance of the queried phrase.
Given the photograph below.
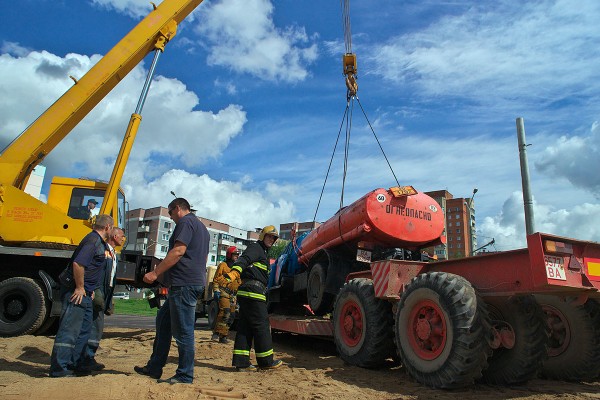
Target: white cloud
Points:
(14, 48)
(576, 158)
(133, 8)
(582, 221)
(535, 54)
(172, 132)
(242, 37)
(223, 201)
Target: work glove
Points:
(216, 294)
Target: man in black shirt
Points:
(184, 270)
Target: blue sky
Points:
(245, 108)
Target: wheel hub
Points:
(560, 332)
(427, 329)
(423, 329)
(14, 309)
(352, 323)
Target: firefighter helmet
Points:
(268, 230)
(231, 250)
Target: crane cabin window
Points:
(85, 203)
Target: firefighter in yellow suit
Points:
(253, 328)
(225, 296)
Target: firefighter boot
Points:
(274, 365)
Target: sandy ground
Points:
(313, 371)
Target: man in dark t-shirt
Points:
(87, 265)
(184, 268)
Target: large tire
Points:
(363, 325)
(22, 306)
(527, 323)
(319, 301)
(213, 310)
(49, 327)
(442, 331)
(574, 346)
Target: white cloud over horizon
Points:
(172, 131)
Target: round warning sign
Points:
(381, 197)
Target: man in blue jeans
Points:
(184, 270)
(87, 264)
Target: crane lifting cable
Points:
(350, 70)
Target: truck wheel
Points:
(213, 310)
(442, 330)
(574, 347)
(363, 325)
(521, 324)
(49, 327)
(22, 306)
(319, 301)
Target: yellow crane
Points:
(36, 238)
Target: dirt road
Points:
(313, 371)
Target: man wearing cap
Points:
(88, 211)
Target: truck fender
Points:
(49, 283)
(53, 293)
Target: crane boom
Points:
(29, 149)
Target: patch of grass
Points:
(133, 307)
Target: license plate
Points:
(555, 268)
(363, 255)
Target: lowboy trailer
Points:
(502, 318)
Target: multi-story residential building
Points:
(460, 232)
(285, 230)
(149, 231)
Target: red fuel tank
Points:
(388, 218)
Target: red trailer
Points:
(502, 318)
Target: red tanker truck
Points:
(398, 222)
(501, 318)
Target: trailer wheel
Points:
(22, 306)
(363, 325)
(319, 301)
(574, 347)
(213, 311)
(521, 324)
(441, 331)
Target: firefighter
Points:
(225, 296)
(253, 320)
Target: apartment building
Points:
(460, 229)
(285, 230)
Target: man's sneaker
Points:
(146, 372)
(274, 365)
(249, 368)
(215, 337)
(172, 380)
(224, 339)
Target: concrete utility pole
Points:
(471, 233)
(527, 197)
